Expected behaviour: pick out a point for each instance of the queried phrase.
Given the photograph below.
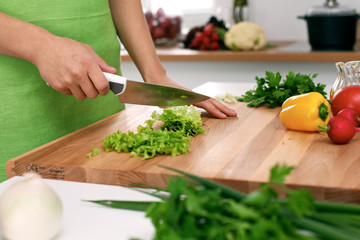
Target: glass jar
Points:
(223, 11)
(347, 74)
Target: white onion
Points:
(30, 209)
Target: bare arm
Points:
(20, 39)
(134, 34)
(70, 67)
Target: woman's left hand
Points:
(216, 108)
(212, 106)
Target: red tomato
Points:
(347, 97)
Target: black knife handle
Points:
(117, 88)
(117, 83)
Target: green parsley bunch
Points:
(272, 90)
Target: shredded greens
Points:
(228, 98)
(179, 125)
(181, 119)
(195, 208)
(272, 90)
(94, 151)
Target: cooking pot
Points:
(331, 27)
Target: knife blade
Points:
(141, 93)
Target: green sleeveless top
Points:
(31, 113)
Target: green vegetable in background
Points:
(228, 98)
(179, 125)
(272, 90)
(194, 208)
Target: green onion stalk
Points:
(195, 208)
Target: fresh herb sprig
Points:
(196, 208)
(272, 90)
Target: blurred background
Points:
(277, 17)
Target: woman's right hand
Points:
(72, 68)
(68, 66)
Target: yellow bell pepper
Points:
(305, 112)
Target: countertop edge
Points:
(176, 53)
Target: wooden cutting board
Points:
(237, 151)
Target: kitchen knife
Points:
(135, 92)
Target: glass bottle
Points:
(240, 11)
(347, 74)
(223, 10)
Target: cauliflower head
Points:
(245, 36)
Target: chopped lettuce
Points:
(180, 124)
(94, 151)
(228, 98)
(181, 118)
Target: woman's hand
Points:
(72, 68)
(68, 66)
(216, 108)
(212, 106)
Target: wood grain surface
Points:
(237, 151)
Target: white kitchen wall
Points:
(279, 17)
(193, 74)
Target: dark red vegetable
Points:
(351, 115)
(347, 97)
(339, 130)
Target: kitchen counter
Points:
(238, 152)
(84, 220)
(282, 52)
